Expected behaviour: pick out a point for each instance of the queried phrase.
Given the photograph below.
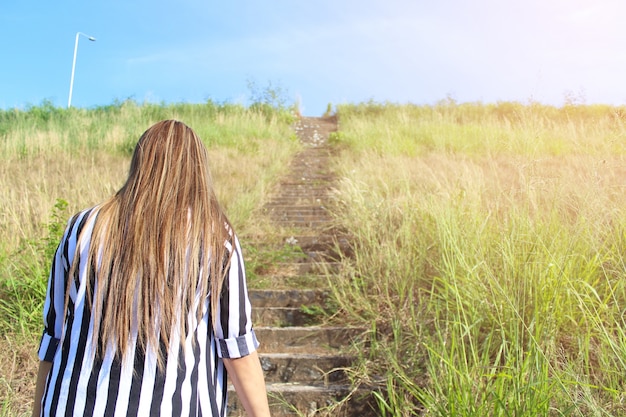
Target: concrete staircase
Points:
(305, 356)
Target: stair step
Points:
(300, 185)
(301, 218)
(306, 365)
(316, 170)
(306, 210)
(304, 191)
(313, 339)
(308, 223)
(315, 243)
(286, 298)
(298, 200)
(284, 316)
(305, 368)
(291, 399)
(288, 281)
(307, 268)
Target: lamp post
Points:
(91, 38)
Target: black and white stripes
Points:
(193, 380)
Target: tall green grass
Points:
(488, 256)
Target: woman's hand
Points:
(42, 376)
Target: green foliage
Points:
(318, 312)
(329, 110)
(508, 128)
(260, 259)
(272, 96)
(336, 138)
(271, 101)
(24, 277)
(115, 128)
(55, 229)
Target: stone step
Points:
(297, 196)
(286, 281)
(311, 183)
(313, 155)
(302, 221)
(308, 243)
(306, 268)
(300, 201)
(297, 200)
(321, 148)
(309, 213)
(305, 365)
(300, 208)
(309, 157)
(301, 191)
(291, 399)
(305, 368)
(332, 246)
(313, 339)
(293, 185)
(322, 256)
(314, 243)
(310, 178)
(284, 316)
(313, 171)
(318, 213)
(313, 223)
(287, 298)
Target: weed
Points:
(261, 259)
(486, 253)
(329, 110)
(23, 283)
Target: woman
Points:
(147, 308)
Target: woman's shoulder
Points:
(77, 222)
(85, 213)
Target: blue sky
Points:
(337, 51)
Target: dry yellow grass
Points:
(18, 365)
(85, 159)
(33, 184)
(577, 185)
(492, 239)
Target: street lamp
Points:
(91, 38)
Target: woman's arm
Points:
(42, 375)
(247, 377)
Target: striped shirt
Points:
(193, 381)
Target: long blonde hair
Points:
(158, 244)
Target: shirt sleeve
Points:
(54, 304)
(233, 329)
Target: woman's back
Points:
(147, 293)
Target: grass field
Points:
(490, 256)
(489, 240)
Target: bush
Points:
(24, 281)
